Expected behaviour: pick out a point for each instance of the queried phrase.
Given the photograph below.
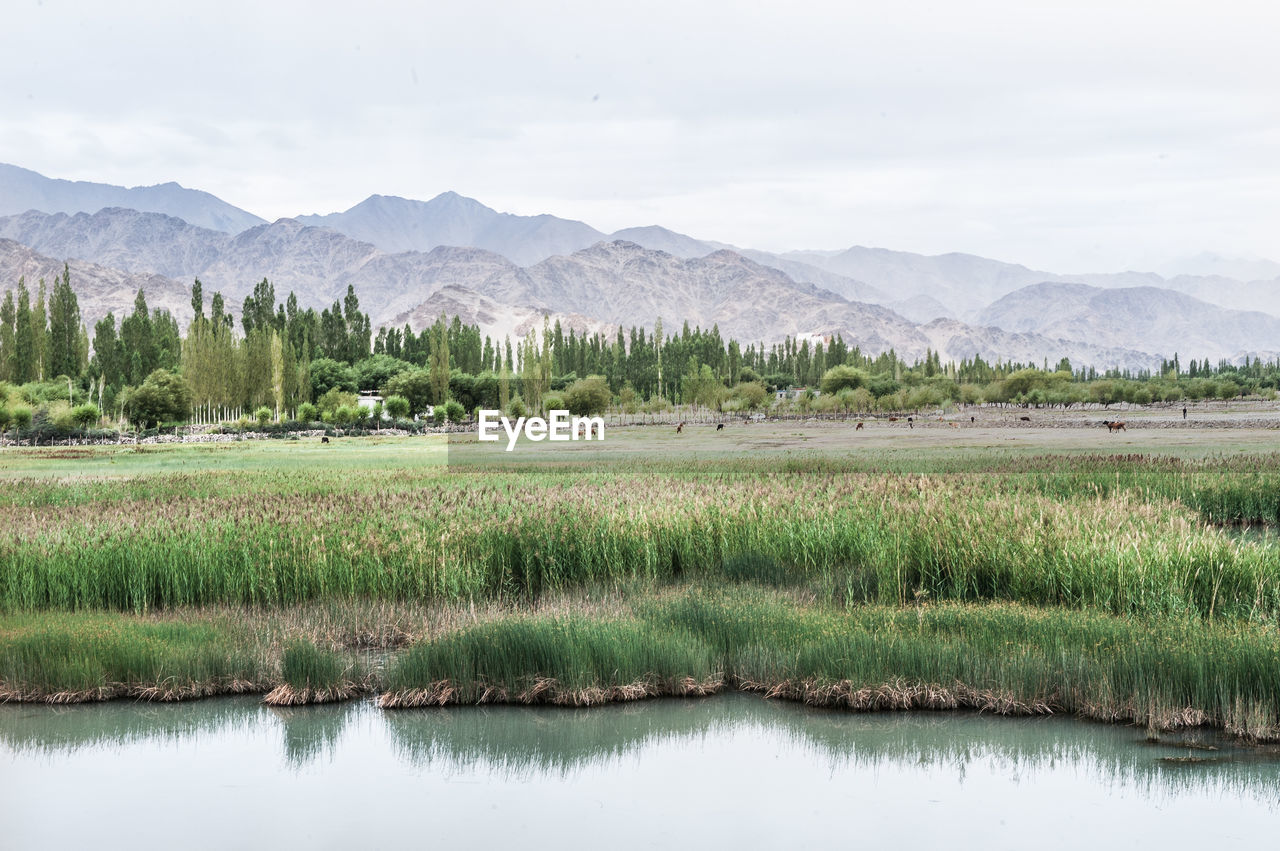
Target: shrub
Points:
(86, 415)
(397, 407)
(587, 396)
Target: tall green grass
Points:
(69, 658)
(546, 659)
(1004, 658)
(851, 537)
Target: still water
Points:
(730, 771)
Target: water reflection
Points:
(522, 744)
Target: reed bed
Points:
(313, 674)
(73, 658)
(568, 661)
(1002, 658)
(853, 537)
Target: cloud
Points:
(1053, 134)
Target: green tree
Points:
(163, 397)
(588, 396)
(86, 415)
(65, 355)
(751, 395)
(138, 351)
(397, 407)
(413, 385)
(24, 338)
(439, 362)
(842, 377)
(8, 318)
(327, 373)
(40, 334)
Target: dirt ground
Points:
(1208, 430)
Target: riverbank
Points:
(1007, 659)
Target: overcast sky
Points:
(1067, 136)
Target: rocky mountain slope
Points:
(100, 289)
(22, 189)
(622, 283)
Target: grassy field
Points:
(1014, 569)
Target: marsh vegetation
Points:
(1021, 583)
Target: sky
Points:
(1080, 136)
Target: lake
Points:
(733, 770)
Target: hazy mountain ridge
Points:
(399, 224)
(1152, 318)
(22, 190)
(752, 296)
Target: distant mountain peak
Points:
(22, 190)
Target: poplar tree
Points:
(8, 316)
(66, 357)
(24, 342)
(440, 362)
(40, 334)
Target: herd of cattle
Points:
(1112, 426)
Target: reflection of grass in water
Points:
(307, 733)
(526, 742)
(313, 732)
(44, 729)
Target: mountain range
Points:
(411, 260)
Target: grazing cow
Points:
(859, 427)
(1114, 426)
(893, 419)
(954, 425)
(1025, 419)
(324, 440)
(719, 426)
(680, 428)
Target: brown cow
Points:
(680, 428)
(859, 427)
(1114, 426)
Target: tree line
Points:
(296, 363)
